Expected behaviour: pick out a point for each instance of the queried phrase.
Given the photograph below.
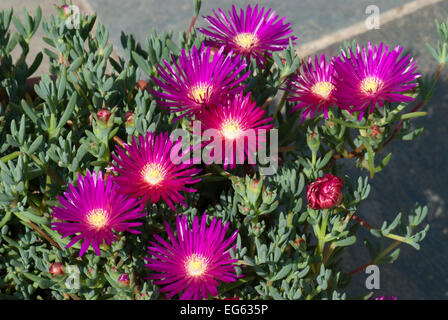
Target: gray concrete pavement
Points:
(310, 19)
(48, 9)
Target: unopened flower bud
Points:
(375, 131)
(104, 115)
(124, 279)
(57, 269)
(313, 141)
(128, 119)
(66, 10)
(299, 241)
(143, 85)
(325, 192)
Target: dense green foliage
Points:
(50, 132)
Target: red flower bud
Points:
(66, 10)
(128, 117)
(299, 241)
(143, 85)
(325, 193)
(124, 279)
(57, 268)
(376, 130)
(104, 115)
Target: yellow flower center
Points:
(231, 129)
(200, 93)
(97, 218)
(371, 85)
(322, 89)
(196, 265)
(153, 173)
(246, 40)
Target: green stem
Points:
(387, 251)
(314, 158)
(220, 171)
(38, 161)
(281, 104)
(328, 253)
(397, 238)
(312, 295)
(323, 231)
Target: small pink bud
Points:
(66, 9)
(128, 117)
(376, 130)
(299, 241)
(57, 269)
(124, 279)
(143, 85)
(104, 115)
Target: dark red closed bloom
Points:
(325, 192)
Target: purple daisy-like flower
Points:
(93, 210)
(239, 127)
(195, 261)
(198, 80)
(146, 171)
(251, 33)
(314, 88)
(373, 75)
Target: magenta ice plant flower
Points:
(195, 260)
(372, 76)
(93, 210)
(313, 88)
(238, 126)
(253, 33)
(147, 171)
(198, 80)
